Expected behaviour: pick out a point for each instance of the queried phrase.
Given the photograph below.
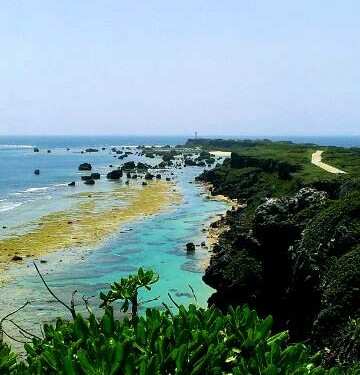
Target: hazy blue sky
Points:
(176, 66)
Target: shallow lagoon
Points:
(156, 242)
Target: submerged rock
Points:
(86, 178)
(89, 182)
(95, 176)
(85, 167)
(37, 171)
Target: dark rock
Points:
(85, 167)
(48, 151)
(158, 176)
(134, 176)
(95, 176)
(190, 246)
(86, 178)
(129, 165)
(127, 182)
(71, 183)
(103, 148)
(189, 162)
(92, 150)
(203, 244)
(114, 175)
(89, 182)
(144, 183)
(37, 171)
(43, 261)
(142, 166)
(149, 176)
(36, 149)
(168, 179)
(16, 258)
(162, 164)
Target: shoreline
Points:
(87, 223)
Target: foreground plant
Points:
(189, 342)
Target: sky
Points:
(175, 67)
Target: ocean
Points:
(156, 242)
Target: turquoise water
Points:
(156, 242)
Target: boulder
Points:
(37, 171)
(48, 151)
(190, 246)
(143, 166)
(144, 183)
(85, 167)
(158, 176)
(149, 176)
(86, 178)
(71, 183)
(16, 258)
(114, 175)
(129, 165)
(95, 176)
(89, 182)
(92, 150)
(36, 149)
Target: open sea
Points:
(156, 242)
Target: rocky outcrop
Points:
(129, 165)
(190, 246)
(85, 167)
(115, 174)
(86, 178)
(95, 176)
(149, 176)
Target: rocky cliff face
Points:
(295, 257)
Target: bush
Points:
(191, 341)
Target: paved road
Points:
(316, 160)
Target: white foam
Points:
(7, 206)
(15, 146)
(34, 190)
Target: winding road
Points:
(316, 160)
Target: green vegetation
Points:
(292, 249)
(191, 341)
